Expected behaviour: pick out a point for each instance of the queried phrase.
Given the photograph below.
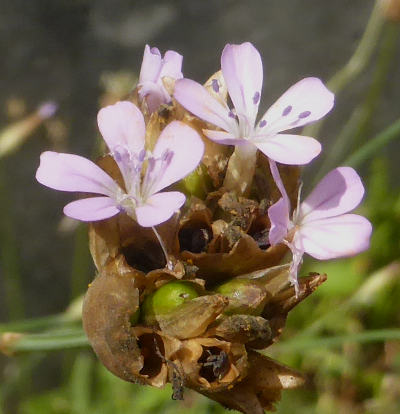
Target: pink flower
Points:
(177, 152)
(154, 69)
(319, 225)
(305, 102)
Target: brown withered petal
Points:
(109, 303)
(241, 328)
(192, 317)
(212, 364)
(261, 388)
(244, 257)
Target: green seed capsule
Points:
(166, 299)
(245, 296)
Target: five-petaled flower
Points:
(154, 68)
(177, 152)
(241, 65)
(319, 225)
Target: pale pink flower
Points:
(177, 152)
(306, 101)
(154, 69)
(319, 225)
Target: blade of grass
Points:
(374, 145)
(358, 61)
(364, 296)
(16, 343)
(305, 344)
(356, 128)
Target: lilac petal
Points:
(243, 73)
(222, 137)
(339, 192)
(159, 208)
(187, 148)
(342, 236)
(172, 65)
(289, 149)
(195, 98)
(278, 215)
(155, 95)
(92, 209)
(68, 172)
(306, 101)
(122, 124)
(151, 65)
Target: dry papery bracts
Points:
(200, 319)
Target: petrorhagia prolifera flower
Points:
(305, 102)
(154, 68)
(198, 318)
(177, 152)
(320, 225)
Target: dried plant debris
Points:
(196, 228)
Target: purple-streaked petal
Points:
(222, 137)
(159, 208)
(195, 98)
(69, 172)
(122, 125)
(243, 73)
(289, 149)
(172, 65)
(306, 101)
(339, 192)
(278, 215)
(187, 148)
(328, 238)
(151, 65)
(92, 209)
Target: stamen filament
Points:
(170, 265)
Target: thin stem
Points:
(307, 343)
(170, 265)
(373, 146)
(356, 127)
(43, 342)
(358, 61)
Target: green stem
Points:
(358, 61)
(374, 145)
(305, 344)
(50, 341)
(357, 126)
